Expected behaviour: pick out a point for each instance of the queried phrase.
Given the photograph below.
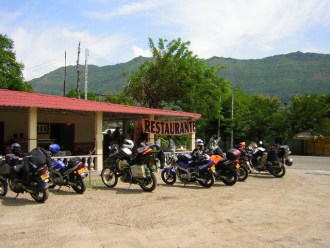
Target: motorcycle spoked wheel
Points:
(243, 173)
(3, 187)
(149, 184)
(208, 177)
(280, 172)
(109, 177)
(168, 176)
(80, 186)
(230, 177)
(40, 195)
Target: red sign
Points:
(168, 128)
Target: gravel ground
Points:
(263, 211)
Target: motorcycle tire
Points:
(109, 177)
(280, 172)
(40, 196)
(243, 173)
(3, 187)
(80, 188)
(230, 178)
(150, 183)
(208, 177)
(168, 176)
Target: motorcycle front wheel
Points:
(40, 195)
(280, 172)
(207, 179)
(243, 173)
(80, 186)
(3, 187)
(149, 184)
(168, 176)
(109, 177)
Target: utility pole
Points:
(86, 72)
(219, 133)
(232, 120)
(78, 73)
(64, 74)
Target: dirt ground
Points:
(263, 211)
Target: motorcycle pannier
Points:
(233, 154)
(12, 159)
(138, 171)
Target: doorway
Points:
(2, 138)
(63, 134)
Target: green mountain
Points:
(280, 75)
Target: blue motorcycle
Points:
(70, 174)
(189, 170)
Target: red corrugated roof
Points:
(25, 99)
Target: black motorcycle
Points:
(267, 160)
(24, 176)
(69, 174)
(133, 170)
(226, 167)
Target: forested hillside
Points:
(280, 75)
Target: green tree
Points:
(177, 79)
(11, 76)
(310, 112)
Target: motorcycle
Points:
(69, 174)
(133, 170)
(226, 167)
(262, 159)
(189, 170)
(19, 180)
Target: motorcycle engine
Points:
(15, 187)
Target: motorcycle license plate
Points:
(45, 176)
(82, 171)
(237, 166)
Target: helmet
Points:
(199, 142)
(16, 149)
(242, 144)
(128, 144)
(54, 148)
(289, 161)
(218, 151)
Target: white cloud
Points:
(127, 9)
(137, 51)
(219, 28)
(43, 51)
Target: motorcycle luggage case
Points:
(138, 171)
(4, 169)
(233, 154)
(12, 159)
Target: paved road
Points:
(310, 163)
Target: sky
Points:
(116, 31)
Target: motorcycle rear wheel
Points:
(243, 173)
(280, 172)
(109, 177)
(3, 187)
(208, 177)
(168, 176)
(40, 196)
(149, 186)
(230, 178)
(80, 188)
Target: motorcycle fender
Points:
(169, 170)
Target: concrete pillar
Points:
(151, 136)
(32, 128)
(99, 140)
(192, 137)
